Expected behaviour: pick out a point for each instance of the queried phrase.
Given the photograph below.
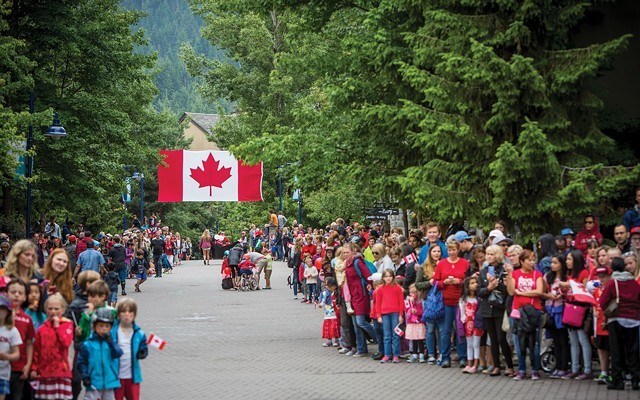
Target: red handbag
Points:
(573, 315)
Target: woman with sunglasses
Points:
(382, 260)
(590, 232)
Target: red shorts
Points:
(128, 390)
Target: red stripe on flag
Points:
(170, 176)
(249, 182)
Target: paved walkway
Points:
(265, 345)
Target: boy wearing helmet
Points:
(246, 266)
(98, 358)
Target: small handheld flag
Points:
(155, 341)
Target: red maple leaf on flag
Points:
(210, 175)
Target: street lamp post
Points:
(54, 131)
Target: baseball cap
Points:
(502, 238)
(603, 271)
(495, 233)
(567, 231)
(72, 238)
(635, 230)
(461, 236)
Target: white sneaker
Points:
(295, 297)
(422, 360)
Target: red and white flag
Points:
(580, 294)
(207, 176)
(409, 258)
(155, 341)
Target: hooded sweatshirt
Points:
(585, 235)
(629, 292)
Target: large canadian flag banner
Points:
(207, 176)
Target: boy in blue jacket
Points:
(133, 343)
(98, 359)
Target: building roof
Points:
(203, 121)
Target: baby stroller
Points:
(248, 281)
(166, 265)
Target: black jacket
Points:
(235, 254)
(487, 310)
(118, 255)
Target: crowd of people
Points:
(59, 293)
(424, 296)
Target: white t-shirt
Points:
(8, 338)
(124, 342)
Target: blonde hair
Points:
(497, 250)
(57, 297)
(635, 273)
(453, 243)
(514, 249)
(21, 246)
(379, 247)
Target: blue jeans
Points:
(431, 339)
(359, 324)
(391, 339)
(531, 341)
(295, 282)
(516, 344)
(579, 339)
(379, 336)
(444, 328)
(279, 252)
(311, 291)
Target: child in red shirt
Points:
(51, 352)
(595, 287)
(389, 308)
(17, 290)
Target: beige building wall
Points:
(199, 139)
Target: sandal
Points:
(509, 373)
(496, 372)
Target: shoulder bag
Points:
(612, 308)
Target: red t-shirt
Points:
(308, 249)
(24, 325)
(389, 299)
(526, 282)
(445, 269)
(582, 276)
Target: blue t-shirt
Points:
(90, 260)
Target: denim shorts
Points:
(142, 276)
(113, 297)
(4, 387)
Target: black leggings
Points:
(498, 341)
(417, 346)
(560, 347)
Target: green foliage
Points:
(470, 110)
(79, 57)
(168, 24)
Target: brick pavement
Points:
(265, 345)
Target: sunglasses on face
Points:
(375, 253)
(589, 222)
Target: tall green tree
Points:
(83, 65)
(473, 109)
